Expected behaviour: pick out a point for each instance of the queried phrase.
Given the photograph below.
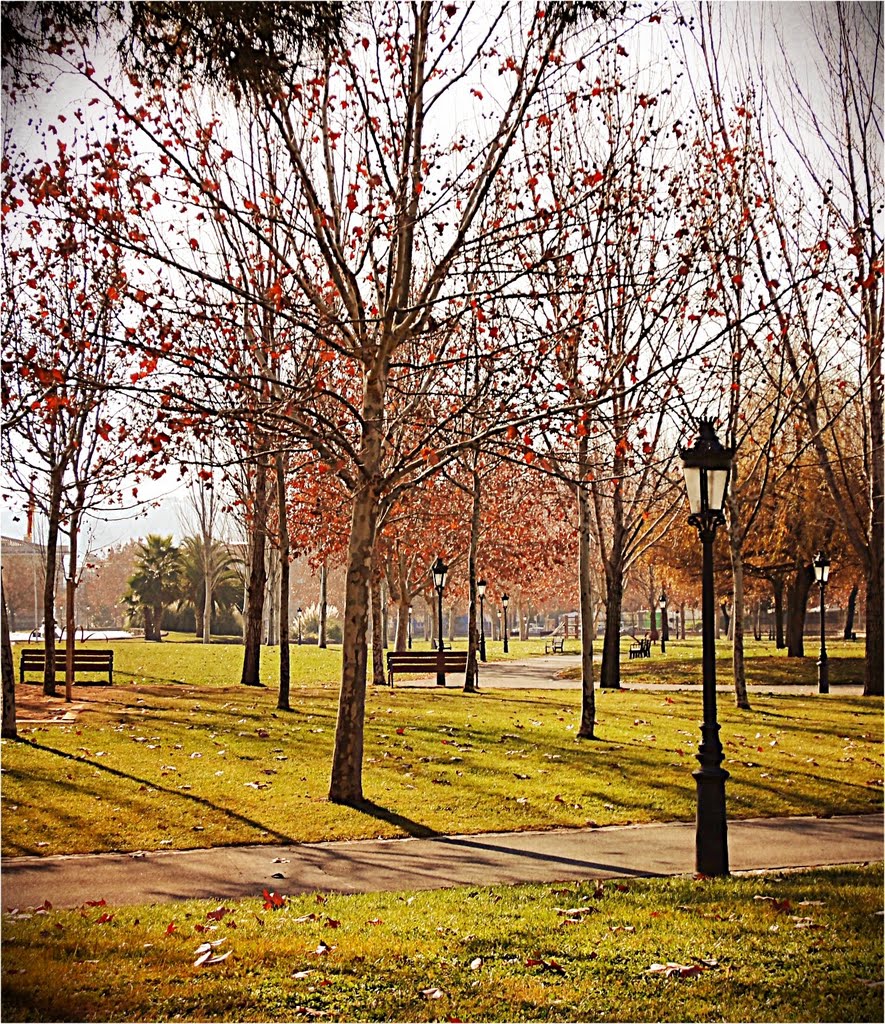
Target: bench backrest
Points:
(417, 661)
(84, 658)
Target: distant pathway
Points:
(542, 673)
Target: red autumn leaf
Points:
(170, 928)
(351, 202)
(218, 914)
(273, 900)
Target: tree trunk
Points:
(377, 633)
(588, 691)
(157, 621)
(848, 631)
(257, 581)
(206, 624)
(797, 599)
(54, 518)
(737, 622)
(71, 604)
(653, 634)
(610, 670)
(682, 620)
(873, 668)
(346, 786)
(471, 676)
(777, 586)
(283, 529)
(9, 729)
(324, 607)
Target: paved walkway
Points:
(438, 862)
(543, 673)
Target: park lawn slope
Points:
(803, 946)
(185, 767)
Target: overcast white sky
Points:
(793, 17)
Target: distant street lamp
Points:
(662, 601)
(439, 571)
(822, 573)
(505, 600)
(706, 467)
(298, 613)
(481, 590)
(410, 627)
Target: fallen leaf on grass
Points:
(806, 922)
(218, 913)
(432, 993)
(311, 1012)
(781, 906)
(682, 970)
(549, 965)
(323, 949)
(273, 900)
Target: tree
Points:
(156, 582)
(9, 729)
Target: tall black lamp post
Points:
(822, 573)
(481, 591)
(410, 627)
(439, 571)
(299, 613)
(706, 466)
(662, 602)
(505, 600)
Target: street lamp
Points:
(662, 602)
(410, 627)
(505, 600)
(298, 614)
(822, 573)
(439, 571)
(481, 590)
(706, 467)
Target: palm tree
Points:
(225, 585)
(156, 582)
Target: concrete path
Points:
(543, 673)
(438, 862)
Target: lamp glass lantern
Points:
(706, 467)
(821, 567)
(481, 588)
(439, 570)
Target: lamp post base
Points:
(823, 676)
(711, 838)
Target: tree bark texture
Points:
(283, 528)
(377, 633)
(588, 691)
(848, 631)
(797, 601)
(739, 669)
(324, 607)
(54, 518)
(471, 675)
(257, 580)
(9, 728)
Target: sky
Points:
(166, 502)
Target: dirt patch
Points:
(32, 706)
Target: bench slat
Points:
(424, 661)
(90, 661)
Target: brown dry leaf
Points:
(476, 963)
(682, 970)
(432, 993)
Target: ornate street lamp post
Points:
(662, 602)
(505, 600)
(410, 627)
(298, 613)
(822, 573)
(481, 590)
(706, 467)
(439, 571)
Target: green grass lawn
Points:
(804, 946)
(177, 766)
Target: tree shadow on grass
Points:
(410, 827)
(179, 794)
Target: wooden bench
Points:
(641, 649)
(86, 661)
(555, 645)
(424, 662)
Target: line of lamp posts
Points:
(439, 571)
